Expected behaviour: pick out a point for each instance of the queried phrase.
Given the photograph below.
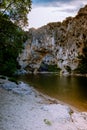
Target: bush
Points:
(82, 67)
(53, 68)
(49, 68)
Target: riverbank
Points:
(23, 108)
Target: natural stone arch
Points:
(48, 63)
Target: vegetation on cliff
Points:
(82, 67)
(49, 68)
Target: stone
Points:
(21, 88)
(56, 43)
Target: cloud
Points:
(45, 11)
(68, 9)
(41, 16)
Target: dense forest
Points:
(13, 17)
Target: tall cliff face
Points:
(58, 44)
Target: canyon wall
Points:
(60, 43)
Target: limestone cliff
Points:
(57, 43)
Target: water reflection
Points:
(72, 90)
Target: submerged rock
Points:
(20, 88)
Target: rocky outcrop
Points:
(56, 43)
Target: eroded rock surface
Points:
(63, 42)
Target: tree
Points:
(13, 15)
(11, 44)
(16, 10)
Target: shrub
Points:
(49, 68)
(53, 68)
(82, 67)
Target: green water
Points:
(71, 89)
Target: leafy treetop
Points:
(16, 10)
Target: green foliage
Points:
(53, 68)
(9, 67)
(49, 68)
(68, 69)
(82, 67)
(11, 43)
(16, 10)
(12, 13)
(47, 122)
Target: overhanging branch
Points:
(8, 7)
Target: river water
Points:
(69, 89)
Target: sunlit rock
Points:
(64, 42)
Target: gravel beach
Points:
(24, 108)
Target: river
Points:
(69, 89)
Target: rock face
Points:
(56, 43)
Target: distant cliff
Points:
(61, 44)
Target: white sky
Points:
(41, 15)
